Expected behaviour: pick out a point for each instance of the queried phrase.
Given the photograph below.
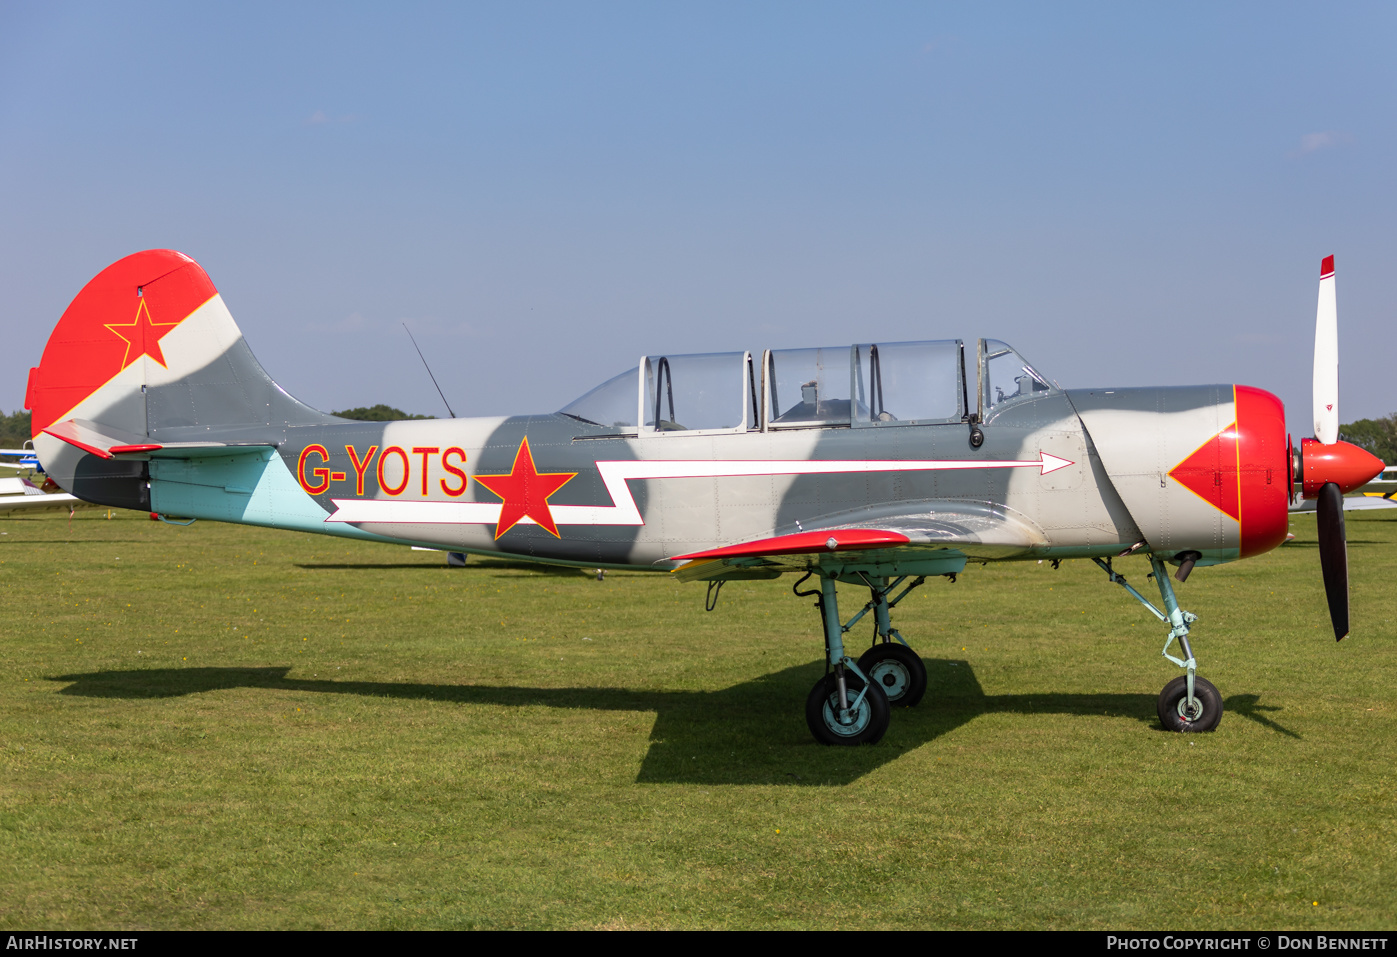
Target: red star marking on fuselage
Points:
(142, 336)
(525, 491)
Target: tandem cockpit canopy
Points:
(868, 385)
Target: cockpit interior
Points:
(868, 385)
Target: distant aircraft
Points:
(22, 459)
(19, 493)
(1384, 486)
(1378, 494)
(875, 465)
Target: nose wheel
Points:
(1178, 713)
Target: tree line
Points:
(1378, 436)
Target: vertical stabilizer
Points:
(148, 350)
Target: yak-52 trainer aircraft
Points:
(876, 465)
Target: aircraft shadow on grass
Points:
(751, 733)
(567, 571)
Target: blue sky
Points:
(1128, 194)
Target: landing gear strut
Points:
(891, 662)
(850, 704)
(1188, 703)
(844, 707)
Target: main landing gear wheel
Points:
(898, 669)
(865, 724)
(1175, 713)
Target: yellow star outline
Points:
(142, 336)
(525, 492)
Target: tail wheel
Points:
(898, 669)
(1176, 713)
(865, 724)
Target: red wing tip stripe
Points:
(127, 449)
(1326, 268)
(803, 542)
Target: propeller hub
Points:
(1342, 463)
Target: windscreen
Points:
(1008, 376)
(611, 404)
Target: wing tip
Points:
(1326, 268)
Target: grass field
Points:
(224, 727)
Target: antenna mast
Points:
(429, 370)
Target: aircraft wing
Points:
(17, 493)
(1385, 485)
(1352, 503)
(29, 503)
(924, 531)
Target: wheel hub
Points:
(845, 723)
(893, 676)
(1190, 711)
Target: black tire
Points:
(869, 723)
(1172, 706)
(898, 669)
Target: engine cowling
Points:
(1200, 468)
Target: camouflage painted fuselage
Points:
(148, 397)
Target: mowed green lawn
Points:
(223, 727)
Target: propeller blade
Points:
(1326, 381)
(1333, 556)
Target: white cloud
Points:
(432, 327)
(357, 325)
(945, 43)
(354, 322)
(1312, 142)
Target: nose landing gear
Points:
(1188, 703)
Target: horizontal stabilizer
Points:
(107, 442)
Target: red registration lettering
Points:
(424, 451)
(322, 474)
(360, 467)
(407, 469)
(447, 466)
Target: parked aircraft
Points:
(18, 493)
(1384, 486)
(876, 465)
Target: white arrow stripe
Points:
(615, 475)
